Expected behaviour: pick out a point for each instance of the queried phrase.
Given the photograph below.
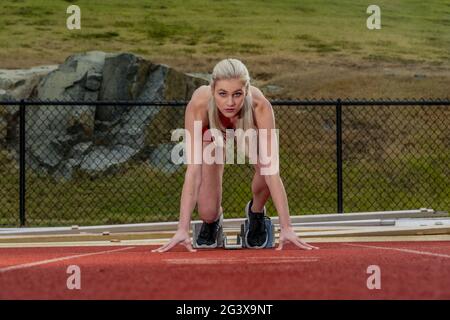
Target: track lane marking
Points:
(243, 260)
(425, 253)
(38, 263)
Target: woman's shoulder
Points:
(202, 93)
(258, 98)
(199, 99)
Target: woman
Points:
(229, 102)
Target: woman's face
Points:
(229, 96)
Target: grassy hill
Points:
(308, 48)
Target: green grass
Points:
(137, 194)
(412, 30)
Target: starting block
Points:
(223, 241)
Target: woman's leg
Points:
(260, 190)
(210, 195)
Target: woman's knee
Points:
(209, 213)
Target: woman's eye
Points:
(222, 94)
(237, 94)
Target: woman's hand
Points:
(288, 235)
(181, 237)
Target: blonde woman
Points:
(229, 102)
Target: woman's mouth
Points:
(229, 109)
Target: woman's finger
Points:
(280, 245)
(308, 245)
(160, 248)
(301, 244)
(187, 243)
(314, 247)
(167, 246)
(296, 241)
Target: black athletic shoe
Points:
(257, 232)
(209, 233)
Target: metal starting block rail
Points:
(230, 245)
(223, 240)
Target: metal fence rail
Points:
(105, 162)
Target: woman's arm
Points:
(192, 180)
(269, 162)
(189, 195)
(268, 142)
(193, 176)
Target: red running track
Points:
(409, 270)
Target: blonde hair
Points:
(225, 70)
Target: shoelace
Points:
(258, 224)
(207, 230)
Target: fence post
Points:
(340, 200)
(22, 216)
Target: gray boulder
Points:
(19, 84)
(16, 85)
(94, 139)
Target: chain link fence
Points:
(90, 163)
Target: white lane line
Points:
(425, 253)
(38, 263)
(247, 260)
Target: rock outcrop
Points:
(60, 139)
